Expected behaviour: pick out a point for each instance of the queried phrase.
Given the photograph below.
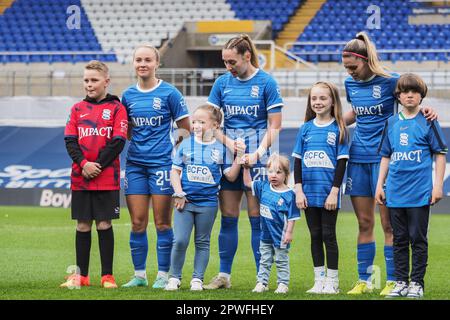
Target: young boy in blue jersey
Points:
(407, 147)
(278, 215)
(196, 173)
(370, 90)
(321, 154)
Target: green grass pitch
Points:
(37, 246)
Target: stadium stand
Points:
(39, 26)
(278, 11)
(339, 21)
(121, 25)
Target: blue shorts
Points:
(362, 179)
(144, 180)
(258, 173)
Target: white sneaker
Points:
(331, 286)
(318, 287)
(173, 284)
(260, 288)
(196, 284)
(415, 290)
(400, 290)
(282, 288)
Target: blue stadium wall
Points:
(35, 168)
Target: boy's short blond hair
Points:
(99, 66)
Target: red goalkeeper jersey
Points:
(94, 125)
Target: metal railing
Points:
(191, 82)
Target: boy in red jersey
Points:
(95, 134)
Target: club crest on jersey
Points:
(106, 115)
(376, 93)
(255, 92)
(331, 138)
(157, 103)
(404, 139)
(280, 202)
(215, 154)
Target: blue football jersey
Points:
(276, 209)
(152, 113)
(373, 102)
(319, 149)
(201, 166)
(410, 145)
(246, 104)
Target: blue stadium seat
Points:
(35, 25)
(341, 20)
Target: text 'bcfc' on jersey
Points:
(410, 145)
(276, 209)
(201, 165)
(152, 113)
(319, 149)
(373, 102)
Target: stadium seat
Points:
(340, 21)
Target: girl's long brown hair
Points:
(336, 110)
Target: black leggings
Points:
(322, 226)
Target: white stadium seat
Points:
(122, 24)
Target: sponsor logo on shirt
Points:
(238, 110)
(88, 132)
(201, 174)
(331, 138)
(144, 121)
(265, 211)
(369, 110)
(415, 156)
(317, 159)
(376, 92)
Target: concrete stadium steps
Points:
(299, 21)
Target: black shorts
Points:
(96, 205)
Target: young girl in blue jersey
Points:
(278, 215)
(370, 90)
(251, 103)
(152, 106)
(196, 173)
(321, 154)
(407, 147)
